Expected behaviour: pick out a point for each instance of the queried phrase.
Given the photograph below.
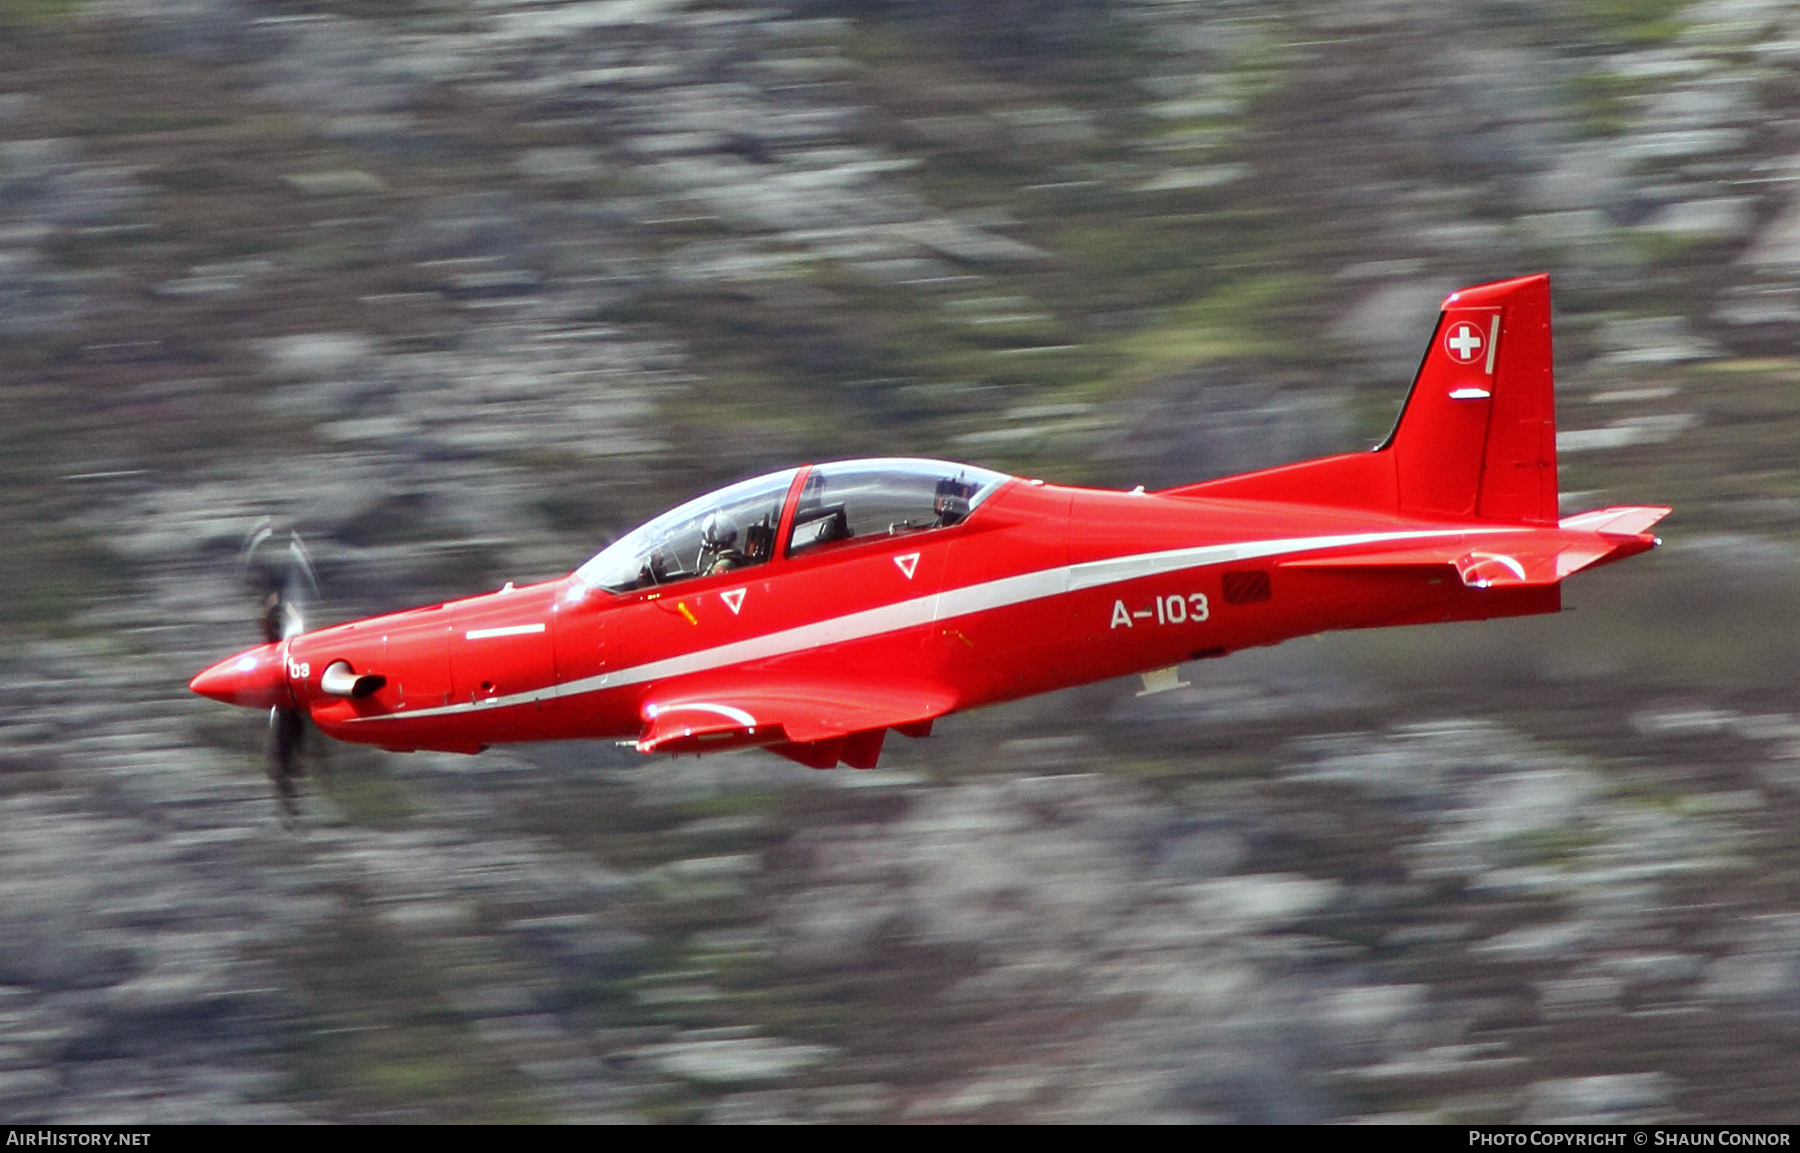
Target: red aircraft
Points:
(810, 611)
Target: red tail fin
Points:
(1477, 438)
(1478, 434)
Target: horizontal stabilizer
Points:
(1522, 560)
(1623, 520)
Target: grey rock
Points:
(1714, 218)
(1756, 305)
(1732, 22)
(1776, 249)
(1653, 340)
(319, 355)
(732, 1060)
(1682, 144)
(1582, 177)
(1621, 1098)
(1224, 418)
(343, 67)
(1384, 325)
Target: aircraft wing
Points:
(1532, 558)
(817, 723)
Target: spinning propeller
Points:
(285, 580)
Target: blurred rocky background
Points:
(463, 288)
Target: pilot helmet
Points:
(952, 501)
(719, 531)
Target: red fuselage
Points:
(1041, 588)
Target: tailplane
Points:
(1476, 439)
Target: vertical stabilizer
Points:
(1477, 437)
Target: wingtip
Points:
(1619, 520)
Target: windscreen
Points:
(724, 530)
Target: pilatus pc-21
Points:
(811, 611)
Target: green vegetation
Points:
(1563, 845)
(1604, 101)
(1240, 319)
(1634, 21)
(36, 12)
(351, 779)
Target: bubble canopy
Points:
(735, 527)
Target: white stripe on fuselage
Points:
(504, 631)
(946, 605)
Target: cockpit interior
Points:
(738, 526)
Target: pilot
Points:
(952, 502)
(719, 537)
(655, 571)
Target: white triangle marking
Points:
(908, 563)
(734, 600)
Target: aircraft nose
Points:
(255, 678)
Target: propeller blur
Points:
(258, 678)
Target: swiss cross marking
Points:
(908, 563)
(734, 600)
(1464, 342)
